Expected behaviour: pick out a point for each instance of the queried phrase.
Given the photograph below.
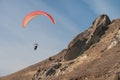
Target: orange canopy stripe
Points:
(34, 14)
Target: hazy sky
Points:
(72, 17)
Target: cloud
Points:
(62, 20)
(103, 7)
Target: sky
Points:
(72, 17)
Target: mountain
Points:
(92, 55)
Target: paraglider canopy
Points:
(34, 14)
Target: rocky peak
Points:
(85, 39)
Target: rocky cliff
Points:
(92, 55)
(85, 39)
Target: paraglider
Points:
(35, 46)
(31, 16)
(34, 14)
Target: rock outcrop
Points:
(85, 39)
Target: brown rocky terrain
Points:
(92, 55)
